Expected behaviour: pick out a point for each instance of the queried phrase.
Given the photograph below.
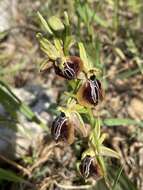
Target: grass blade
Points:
(121, 121)
(10, 176)
(117, 178)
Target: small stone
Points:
(135, 109)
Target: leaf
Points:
(81, 13)
(8, 122)
(121, 121)
(55, 23)
(128, 73)
(92, 16)
(124, 183)
(88, 15)
(108, 152)
(100, 21)
(97, 53)
(10, 176)
(117, 178)
(13, 104)
(44, 23)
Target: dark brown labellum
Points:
(71, 69)
(90, 93)
(89, 168)
(62, 130)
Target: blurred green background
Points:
(112, 32)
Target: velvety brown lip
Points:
(62, 129)
(90, 93)
(89, 168)
(71, 69)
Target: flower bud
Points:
(62, 129)
(90, 93)
(71, 67)
(90, 168)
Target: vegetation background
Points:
(112, 32)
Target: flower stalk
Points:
(85, 94)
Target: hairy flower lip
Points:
(90, 168)
(71, 68)
(90, 92)
(62, 129)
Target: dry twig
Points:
(24, 170)
(75, 186)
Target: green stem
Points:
(91, 117)
(116, 16)
(72, 94)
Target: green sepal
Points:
(84, 57)
(44, 23)
(68, 39)
(55, 24)
(48, 47)
(59, 46)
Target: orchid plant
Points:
(86, 93)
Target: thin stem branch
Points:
(24, 170)
(73, 187)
